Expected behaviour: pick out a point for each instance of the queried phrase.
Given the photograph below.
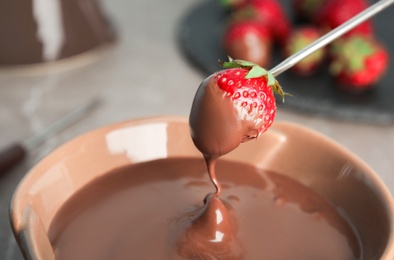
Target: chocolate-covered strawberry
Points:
(232, 106)
(336, 12)
(248, 40)
(357, 62)
(300, 38)
(269, 13)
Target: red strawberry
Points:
(232, 106)
(248, 40)
(336, 12)
(300, 38)
(269, 13)
(358, 62)
(306, 9)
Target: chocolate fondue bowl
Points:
(286, 148)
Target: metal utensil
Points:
(16, 152)
(330, 36)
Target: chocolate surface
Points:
(154, 210)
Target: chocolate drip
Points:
(211, 165)
(211, 234)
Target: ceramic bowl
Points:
(286, 148)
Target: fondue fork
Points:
(15, 153)
(330, 36)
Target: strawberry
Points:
(358, 62)
(232, 106)
(300, 38)
(336, 12)
(306, 9)
(269, 13)
(248, 40)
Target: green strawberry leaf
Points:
(256, 72)
(237, 64)
(244, 63)
(229, 64)
(271, 79)
(227, 3)
(278, 90)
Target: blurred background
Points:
(136, 68)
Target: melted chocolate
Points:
(154, 210)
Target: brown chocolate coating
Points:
(217, 126)
(153, 210)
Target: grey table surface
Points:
(145, 74)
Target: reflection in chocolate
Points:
(33, 31)
(153, 210)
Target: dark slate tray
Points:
(200, 33)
